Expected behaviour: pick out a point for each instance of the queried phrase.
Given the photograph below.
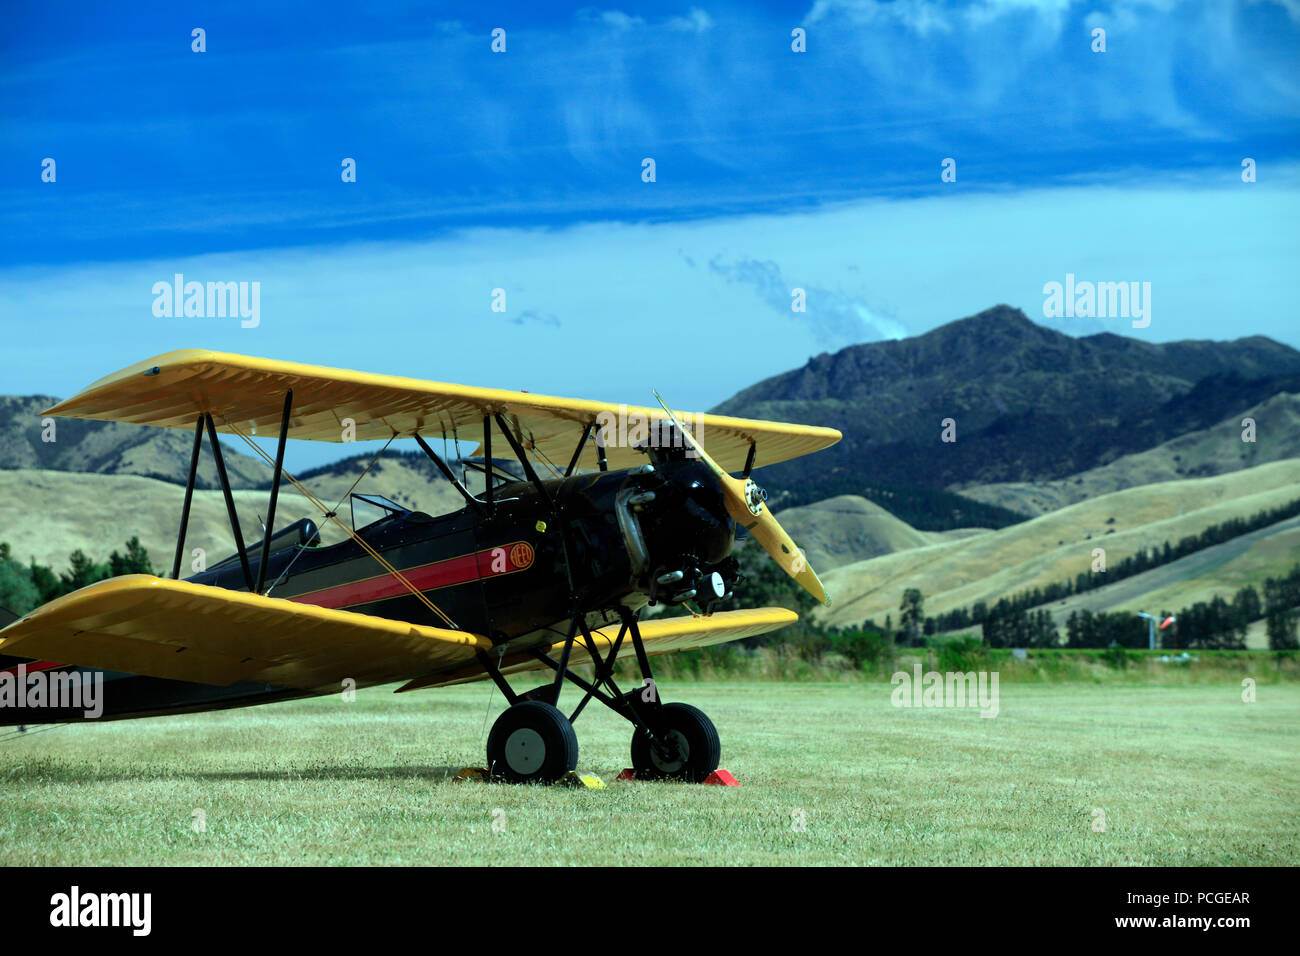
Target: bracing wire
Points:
(365, 546)
(365, 471)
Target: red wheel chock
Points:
(719, 778)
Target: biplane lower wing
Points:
(663, 636)
(156, 627)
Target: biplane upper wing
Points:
(660, 636)
(140, 624)
(247, 394)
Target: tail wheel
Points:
(532, 742)
(691, 749)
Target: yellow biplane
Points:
(534, 572)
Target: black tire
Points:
(532, 742)
(694, 738)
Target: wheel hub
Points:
(678, 752)
(525, 751)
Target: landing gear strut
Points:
(533, 741)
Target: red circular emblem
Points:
(521, 555)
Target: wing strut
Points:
(447, 473)
(275, 492)
(189, 497)
(203, 422)
(522, 455)
(487, 460)
(577, 452)
(224, 480)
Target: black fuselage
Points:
(516, 574)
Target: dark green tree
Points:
(135, 561)
(81, 572)
(911, 614)
(1281, 625)
(48, 586)
(17, 593)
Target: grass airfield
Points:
(831, 773)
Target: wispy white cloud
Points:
(834, 318)
(696, 21)
(996, 57)
(700, 309)
(611, 18)
(447, 133)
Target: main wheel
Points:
(532, 742)
(691, 740)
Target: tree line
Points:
(24, 587)
(1143, 560)
(1217, 624)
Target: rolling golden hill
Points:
(1217, 571)
(1054, 547)
(849, 528)
(1197, 454)
(47, 515)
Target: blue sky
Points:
(522, 171)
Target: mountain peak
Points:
(1004, 316)
(1029, 402)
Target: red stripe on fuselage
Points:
(427, 577)
(31, 667)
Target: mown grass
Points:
(1103, 666)
(1185, 775)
